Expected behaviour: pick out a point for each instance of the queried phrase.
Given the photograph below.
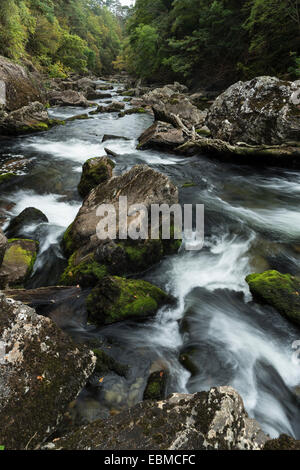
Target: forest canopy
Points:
(195, 40)
(62, 35)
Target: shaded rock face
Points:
(42, 370)
(265, 110)
(170, 100)
(3, 245)
(18, 262)
(68, 98)
(18, 87)
(161, 135)
(281, 291)
(95, 171)
(141, 185)
(29, 216)
(214, 420)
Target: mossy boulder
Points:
(18, 262)
(281, 291)
(87, 273)
(115, 299)
(95, 171)
(156, 386)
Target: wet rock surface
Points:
(42, 370)
(29, 216)
(161, 135)
(95, 171)
(214, 420)
(18, 262)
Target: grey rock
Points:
(264, 110)
(214, 420)
(42, 370)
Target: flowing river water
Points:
(252, 223)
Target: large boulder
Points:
(29, 216)
(3, 245)
(214, 420)
(141, 185)
(264, 110)
(18, 262)
(161, 135)
(18, 86)
(68, 98)
(281, 291)
(95, 171)
(42, 371)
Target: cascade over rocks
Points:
(265, 110)
(42, 371)
(214, 420)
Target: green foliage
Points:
(213, 40)
(77, 35)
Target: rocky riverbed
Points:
(140, 320)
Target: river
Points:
(252, 223)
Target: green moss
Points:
(35, 127)
(16, 255)
(142, 255)
(87, 273)
(116, 298)
(281, 291)
(67, 242)
(79, 117)
(156, 386)
(5, 177)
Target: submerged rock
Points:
(161, 135)
(18, 262)
(265, 110)
(115, 299)
(214, 420)
(156, 386)
(29, 216)
(42, 371)
(95, 171)
(113, 137)
(281, 291)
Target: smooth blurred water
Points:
(252, 223)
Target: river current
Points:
(252, 223)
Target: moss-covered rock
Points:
(281, 291)
(18, 262)
(86, 274)
(115, 299)
(156, 386)
(68, 243)
(283, 442)
(95, 171)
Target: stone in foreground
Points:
(214, 420)
(281, 291)
(42, 371)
